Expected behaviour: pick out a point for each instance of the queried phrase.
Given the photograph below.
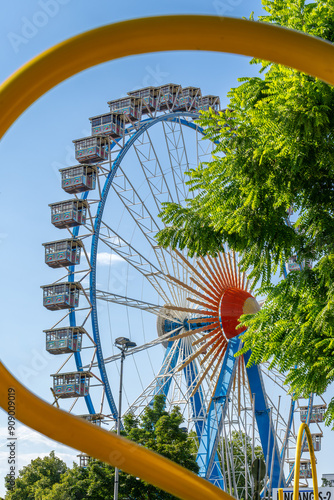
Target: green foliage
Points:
(37, 477)
(326, 482)
(295, 328)
(274, 148)
(155, 429)
(160, 431)
(73, 485)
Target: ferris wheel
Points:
(182, 313)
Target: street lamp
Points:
(123, 344)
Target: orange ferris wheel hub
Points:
(234, 303)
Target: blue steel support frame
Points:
(190, 372)
(196, 402)
(212, 428)
(264, 421)
(163, 384)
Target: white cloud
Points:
(107, 259)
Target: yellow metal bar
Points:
(304, 427)
(156, 34)
(280, 493)
(106, 446)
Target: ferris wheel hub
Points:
(233, 304)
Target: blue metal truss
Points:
(264, 422)
(196, 401)
(164, 377)
(207, 452)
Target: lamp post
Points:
(123, 344)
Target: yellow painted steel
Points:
(140, 36)
(106, 446)
(156, 34)
(304, 427)
(280, 494)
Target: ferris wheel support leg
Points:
(199, 413)
(264, 423)
(213, 425)
(197, 400)
(164, 378)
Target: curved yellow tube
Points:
(139, 36)
(106, 446)
(304, 427)
(156, 34)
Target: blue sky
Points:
(40, 142)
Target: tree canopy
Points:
(274, 149)
(37, 477)
(50, 479)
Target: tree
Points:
(326, 482)
(274, 149)
(73, 485)
(155, 429)
(37, 477)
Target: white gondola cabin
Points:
(84, 460)
(61, 295)
(68, 213)
(63, 253)
(168, 96)
(78, 179)
(316, 440)
(317, 414)
(95, 418)
(129, 106)
(108, 124)
(210, 101)
(91, 149)
(71, 385)
(294, 265)
(189, 99)
(148, 95)
(64, 340)
(305, 471)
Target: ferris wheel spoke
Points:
(159, 188)
(135, 205)
(137, 260)
(163, 256)
(137, 349)
(161, 383)
(153, 172)
(177, 157)
(134, 258)
(128, 301)
(276, 377)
